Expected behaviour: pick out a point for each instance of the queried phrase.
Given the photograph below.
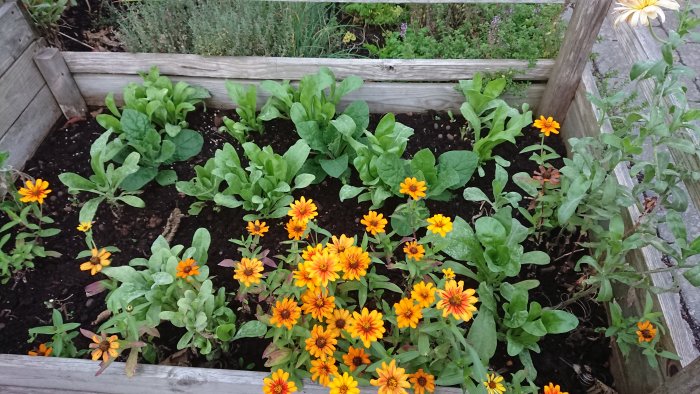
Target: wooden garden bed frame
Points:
(40, 85)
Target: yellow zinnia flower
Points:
(422, 382)
(278, 383)
(456, 301)
(493, 384)
(448, 273)
(99, 260)
(338, 321)
(439, 224)
(374, 222)
(34, 191)
(84, 226)
(321, 343)
(324, 267)
(423, 293)
(552, 389)
(339, 244)
(344, 384)
(637, 12)
(296, 229)
(392, 379)
(367, 326)
(104, 347)
(248, 271)
(42, 351)
(408, 314)
(413, 187)
(257, 228)
(303, 278)
(546, 126)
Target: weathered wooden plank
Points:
(63, 375)
(18, 86)
(434, 1)
(573, 55)
(15, 35)
(634, 375)
(686, 381)
(252, 67)
(27, 133)
(638, 45)
(380, 96)
(55, 72)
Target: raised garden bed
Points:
(133, 230)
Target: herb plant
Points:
(62, 335)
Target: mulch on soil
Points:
(59, 283)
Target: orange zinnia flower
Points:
(324, 267)
(413, 187)
(423, 293)
(104, 347)
(278, 383)
(303, 278)
(408, 314)
(439, 224)
(414, 251)
(187, 268)
(248, 271)
(303, 210)
(99, 260)
(646, 332)
(285, 313)
(322, 370)
(422, 382)
(552, 389)
(295, 228)
(374, 223)
(34, 191)
(547, 126)
(456, 301)
(366, 326)
(354, 263)
(355, 358)
(257, 228)
(42, 350)
(321, 343)
(317, 303)
(392, 380)
(339, 245)
(338, 321)
(344, 384)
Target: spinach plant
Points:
(263, 187)
(484, 110)
(106, 179)
(246, 100)
(135, 133)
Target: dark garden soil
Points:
(27, 301)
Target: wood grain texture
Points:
(381, 97)
(62, 375)
(15, 35)
(18, 86)
(581, 33)
(638, 45)
(27, 133)
(59, 79)
(634, 375)
(253, 67)
(686, 381)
